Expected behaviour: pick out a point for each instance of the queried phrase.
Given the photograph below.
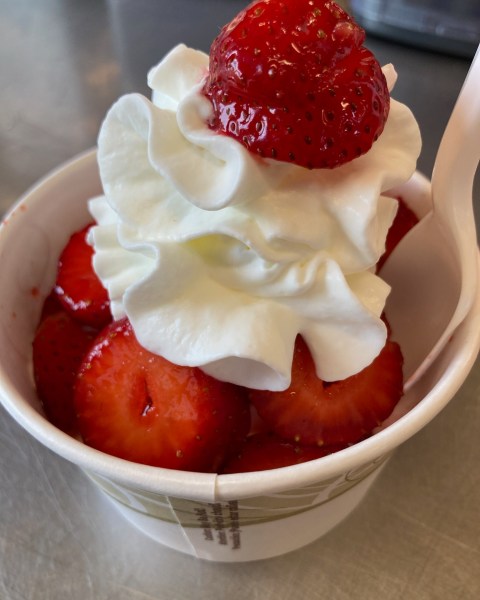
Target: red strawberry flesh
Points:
(59, 346)
(77, 286)
(313, 412)
(404, 220)
(138, 406)
(264, 451)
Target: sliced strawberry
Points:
(138, 406)
(291, 80)
(343, 412)
(51, 306)
(77, 286)
(59, 346)
(404, 220)
(264, 451)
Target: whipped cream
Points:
(220, 258)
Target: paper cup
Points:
(229, 518)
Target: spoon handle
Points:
(459, 150)
(452, 184)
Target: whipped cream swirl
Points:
(220, 258)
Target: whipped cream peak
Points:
(167, 90)
(220, 258)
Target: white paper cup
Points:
(243, 517)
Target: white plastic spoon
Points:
(433, 271)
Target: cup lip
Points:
(212, 487)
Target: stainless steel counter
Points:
(417, 535)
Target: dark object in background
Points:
(450, 26)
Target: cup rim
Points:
(213, 487)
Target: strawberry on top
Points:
(292, 81)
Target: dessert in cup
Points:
(208, 325)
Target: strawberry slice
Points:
(51, 306)
(138, 406)
(59, 345)
(312, 412)
(404, 220)
(264, 451)
(77, 286)
(292, 81)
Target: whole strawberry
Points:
(291, 80)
